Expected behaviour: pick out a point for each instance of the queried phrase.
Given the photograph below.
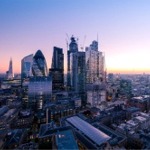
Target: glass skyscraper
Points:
(94, 64)
(40, 85)
(9, 73)
(26, 66)
(77, 71)
(39, 67)
(57, 69)
(73, 48)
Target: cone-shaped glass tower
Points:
(39, 67)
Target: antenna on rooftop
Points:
(67, 40)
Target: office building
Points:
(39, 92)
(26, 69)
(40, 85)
(9, 73)
(39, 67)
(26, 66)
(77, 74)
(76, 68)
(94, 64)
(96, 95)
(57, 69)
(73, 48)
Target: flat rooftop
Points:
(141, 119)
(90, 131)
(65, 140)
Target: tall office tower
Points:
(77, 74)
(39, 67)
(77, 71)
(40, 86)
(39, 92)
(81, 72)
(26, 66)
(73, 48)
(94, 64)
(57, 69)
(9, 73)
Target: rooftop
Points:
(141, 119)
(90, 131)
(46, 130)
(14, 136)
(65, 140)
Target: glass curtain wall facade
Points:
(57, 69)
(73, 48)
(26, 66)
(40, 85)
(94, 64)
(40, 90)
(39, 67)
(9, 73)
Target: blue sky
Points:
(123, 28)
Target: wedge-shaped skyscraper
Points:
(26, 66)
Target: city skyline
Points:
(122, 28)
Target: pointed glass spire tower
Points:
(10, 74)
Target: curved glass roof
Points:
(90, 131)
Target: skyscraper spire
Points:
(10, 75)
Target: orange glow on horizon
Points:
(115, 71)
(128, 71)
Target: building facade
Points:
(40, 85)
(77, 71)
(39, 67)
(57, 69)
(9, 73)
(39, 92)
(96, 95)
(73, 48)
(94, 64)
(26, 66)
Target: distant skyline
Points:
(123, 28)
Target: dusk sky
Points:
(123, 28)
